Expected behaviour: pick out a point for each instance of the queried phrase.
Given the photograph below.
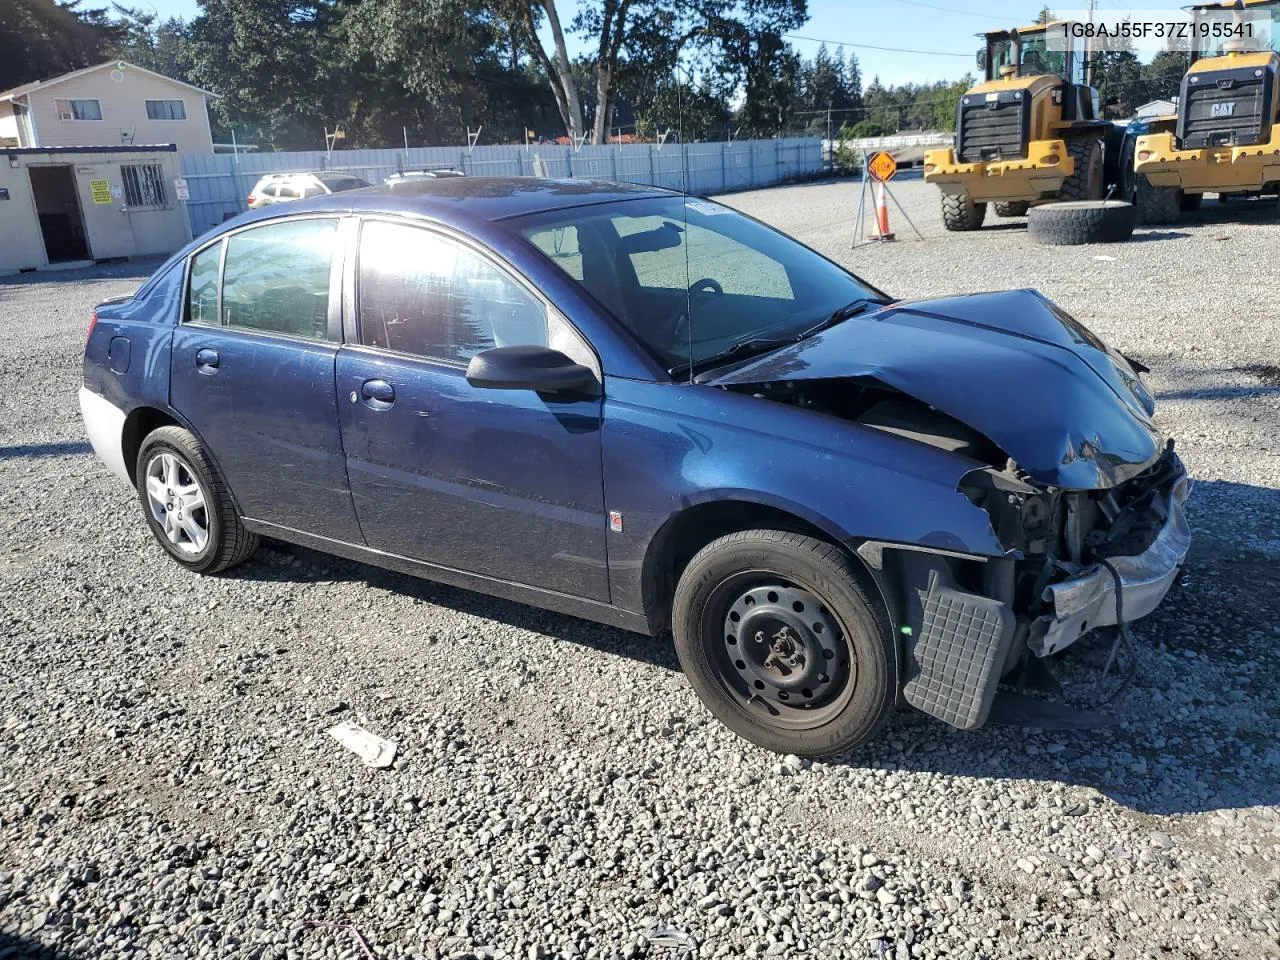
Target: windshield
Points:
(1218, 30)
(692, 279)
(1037, 58)
(340, 183)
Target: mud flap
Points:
(954, 663)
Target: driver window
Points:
(428, 295)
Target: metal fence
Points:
(220, 183)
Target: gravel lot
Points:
(167, 788)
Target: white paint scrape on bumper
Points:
(104, 424)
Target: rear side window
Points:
(427, 295)
(275, 279)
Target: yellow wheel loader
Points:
(1225, 138)
(1030, 133)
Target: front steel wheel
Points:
(784, 644)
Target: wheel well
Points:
(676, 543)
(137, 425)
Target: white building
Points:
(111, 105)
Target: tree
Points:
(41, 39)
(143, 38)
(1162, 77)
(1117, 75)
(525, 16)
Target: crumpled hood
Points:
(1012, 365)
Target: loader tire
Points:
(1081, 221)
(1086, 181)
(1157, 206)
(1190, 202)
(1013, 208)
(961, 213)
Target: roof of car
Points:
(458, 199)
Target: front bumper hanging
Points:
(960, 642)
(1088, 600)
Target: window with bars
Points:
(144, 186)
(166, 110)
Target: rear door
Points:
(253, 366)
(502, 483)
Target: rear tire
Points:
(1190, 202)
(1157, 206)
(783, 643)
(1086, 181)
(960, 213)
(188, 505)
(1071, 224)
(1014, 208)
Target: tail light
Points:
(93, 322)
(1051, 159)
(251, 198)
(1144, 154)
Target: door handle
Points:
(207, 360)
(377, 394)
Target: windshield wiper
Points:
(839, 315)
(739, 350)
(753, 346)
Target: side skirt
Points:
(491, 586)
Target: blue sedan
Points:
(651, 411)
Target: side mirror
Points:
(982, 59)
(530, 368)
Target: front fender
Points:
(670, 447)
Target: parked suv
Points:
(652, 411)
(284, 187)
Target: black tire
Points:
(959, 213)
(840, 676)
(1157, 206)
(1013, 208)
(1190, 202)
(1087, 181)
(1089, 221)
(226, 542)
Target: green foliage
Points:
(41, 38)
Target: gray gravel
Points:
(167, 788)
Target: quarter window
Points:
(427, 295)
(166, 110)
(275, 279)
(79, 109)
(202, 299)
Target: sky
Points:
(944, 28)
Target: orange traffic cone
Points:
(882, 215)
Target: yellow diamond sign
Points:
(881, 166)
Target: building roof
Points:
(39, 85)
(105, 148)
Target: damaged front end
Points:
(1085, 499)
(1077, 561)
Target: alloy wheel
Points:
(177, 502)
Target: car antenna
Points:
(684, 210)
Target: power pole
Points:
(831, 147)
(1088, 47)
